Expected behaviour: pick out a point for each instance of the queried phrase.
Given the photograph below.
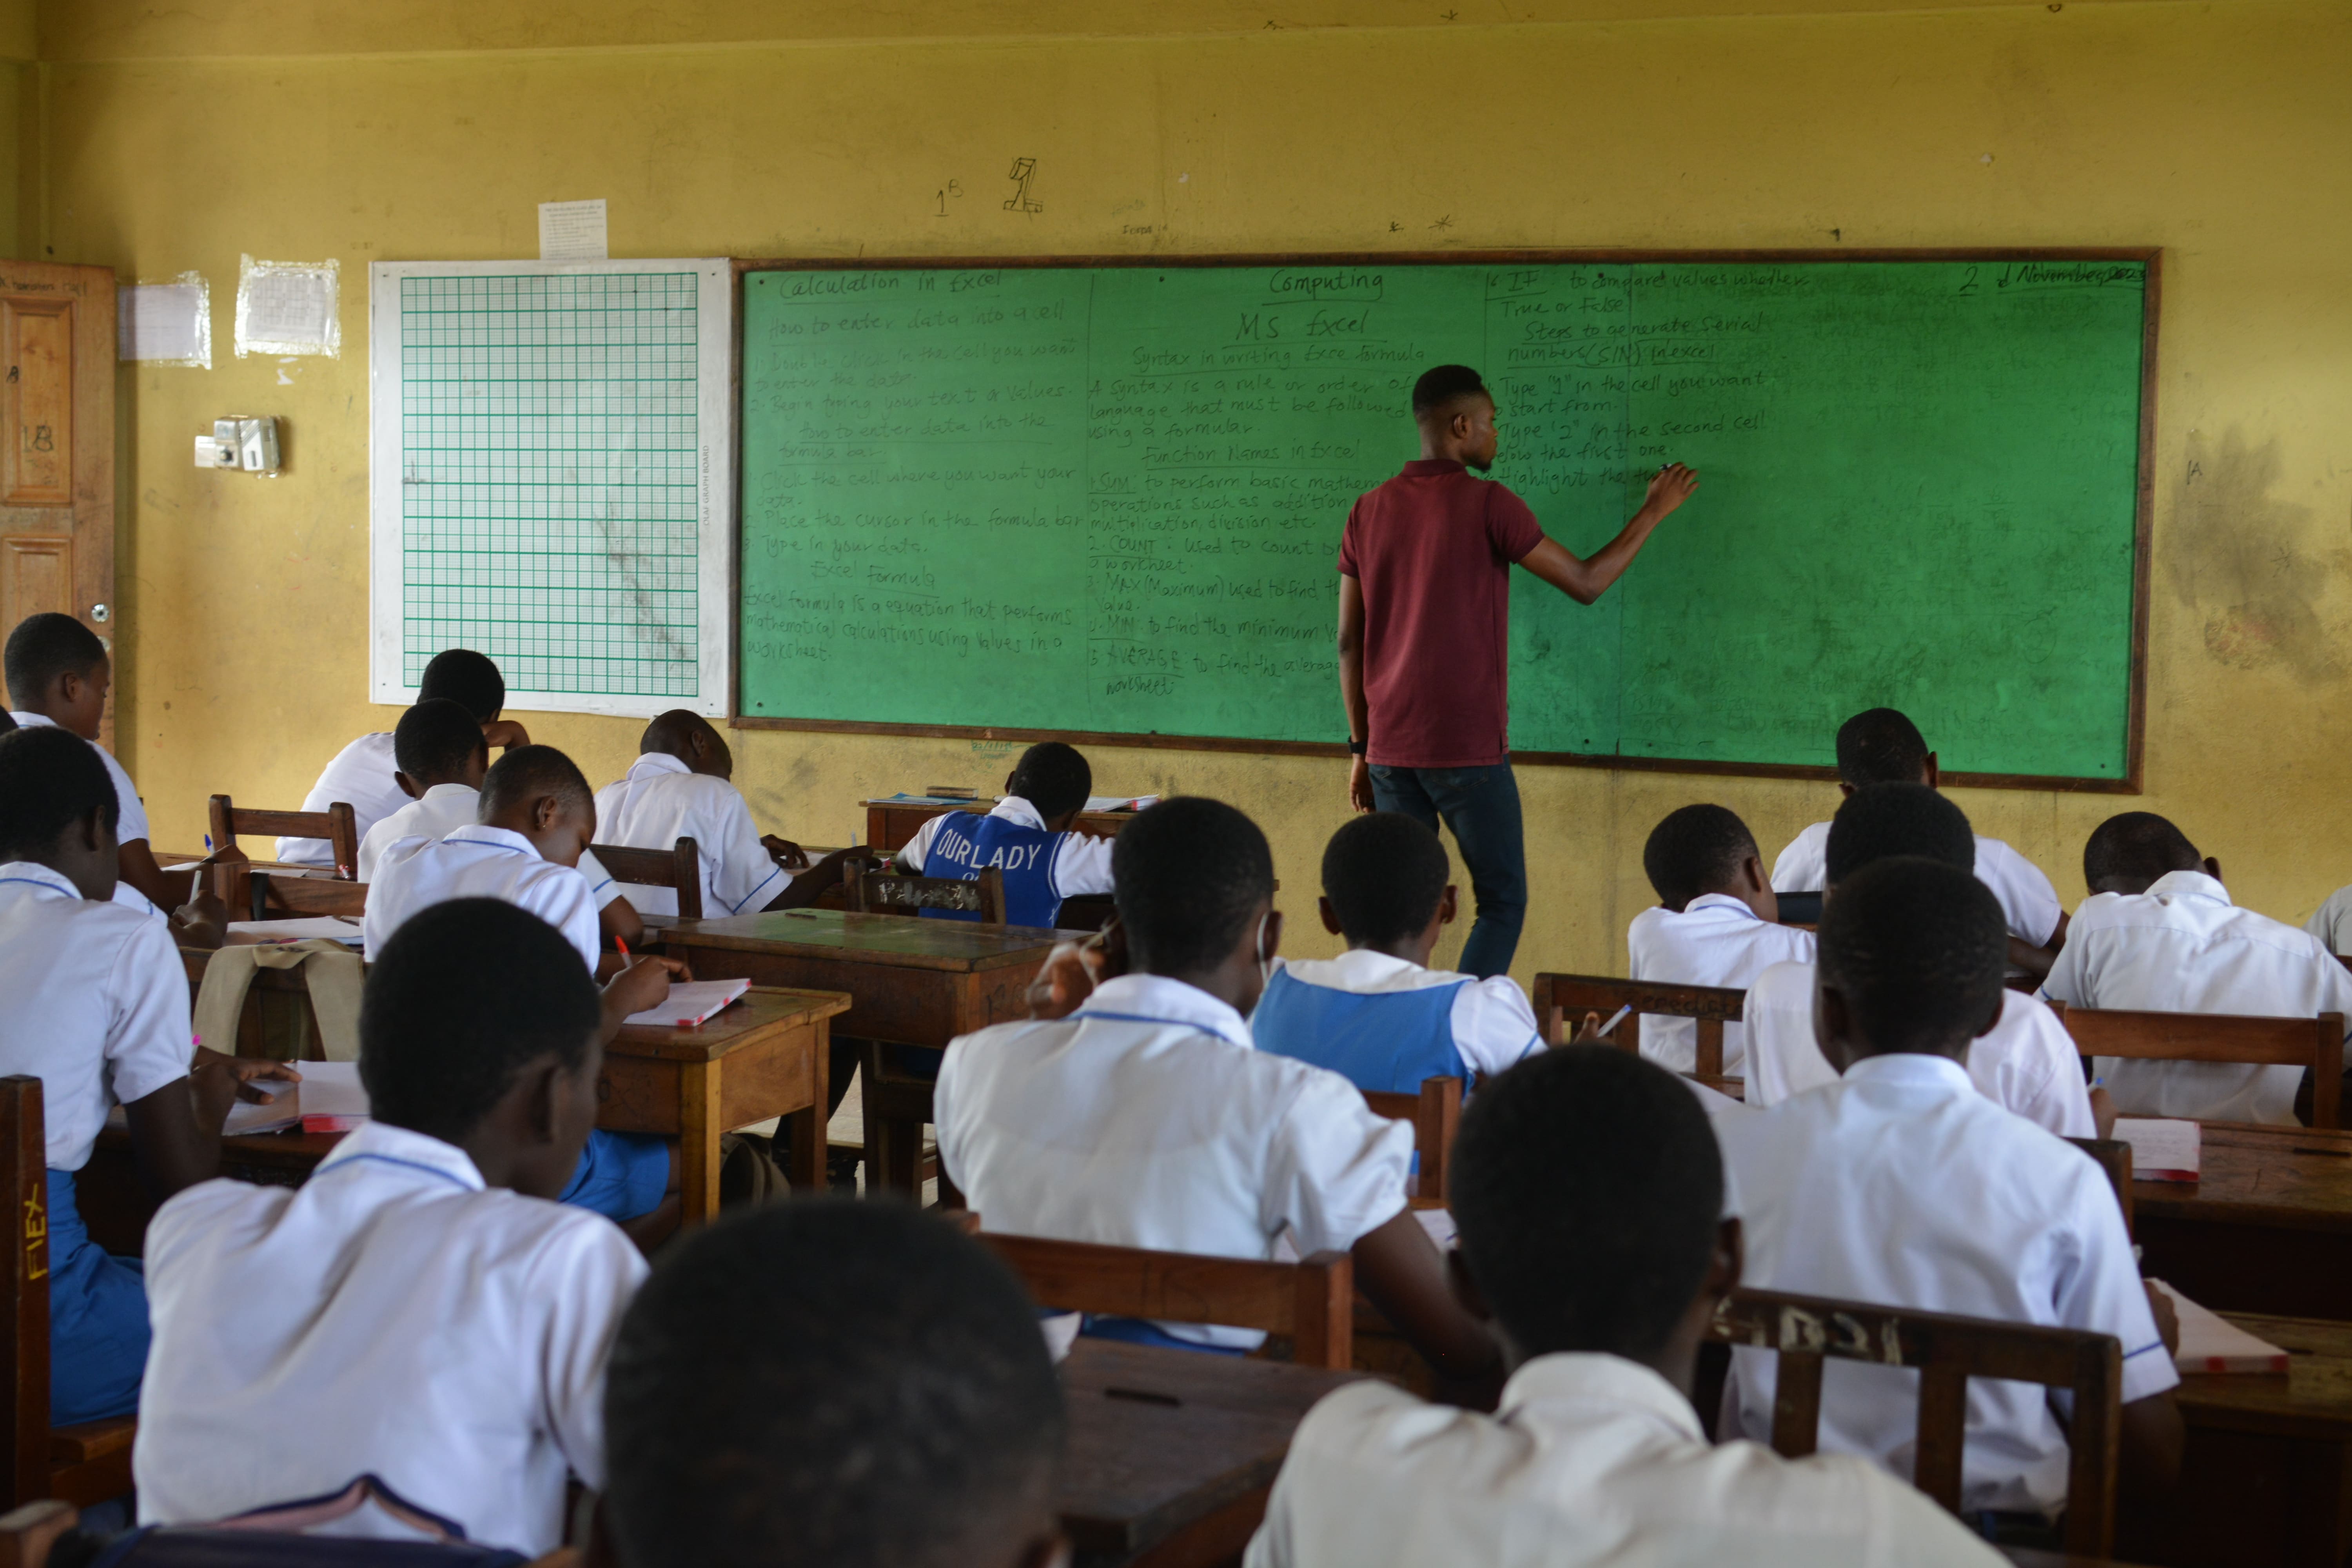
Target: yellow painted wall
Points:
(177, 139)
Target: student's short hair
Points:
(467, 677)
(1447, 384)
(1880, 745)
(2135, 846)
(1694, 851)
(1384, 874)
(826, 1381)
(1186, 876)
(466, 994)
(1587, 1187)
(43, 648)
(1918, 948)
(435, 738)
(528, 772)
(673, 731)
(1053, 777)
(50, 779)
(1879, 821)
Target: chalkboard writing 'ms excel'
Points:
(1107, 500)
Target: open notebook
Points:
(2163, 1150)
(691, 1002)
(330, 1099)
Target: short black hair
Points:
(1878, 821)
(1053, 777)
(1186, 874)
(467, 677)
(1587, 1190)
(466, 994)
(1918, 948)
(827, 1382)
(434, 739)
(1880, 745)
(1384, 874)
(50, 779)
(1695, 850)
(528, 772)
(44, 647)
(2135, 847)
(1442, 388)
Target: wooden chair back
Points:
(1947, 1351)
(280, 897)
(2114, 1157)
(678, 868)
(2315, 1043)
(1312, 1300)
(872, 891)
(336, 825)
(1558, 996)
(1436, 1115)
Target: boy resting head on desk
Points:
(1028, 836)
(442, 758)
(833, 1384)
(1589, 1194)
(417, 1309)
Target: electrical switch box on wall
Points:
(241, 441)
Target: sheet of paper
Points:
(2211, 1343)
(334, 928)
(571, 231)
(2163, 1150)
(691, 1002)
(166, 323)
(1439, 1223)
(328, 1088)
(287, 307)
(1120, 802)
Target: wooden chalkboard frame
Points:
(2143, 505)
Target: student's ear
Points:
(1935, 775)
(1331, 917)
(477, 767)
(1271, 942)
(93, 834)
(543, 813)
(2213, 867)
(1008, 781)
(1846, 790)
(407, 785)
(1449, 904)
(1832, 1024)
(1465, 1289)
(1994, 1021)
(1729, 1260)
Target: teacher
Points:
(1425, 643)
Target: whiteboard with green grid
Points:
(551, 456)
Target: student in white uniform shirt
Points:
(417, 1309)
(768, 1347)
(1883, 746)
(94, 1002)
(1717, 924)
(442, 759)
(1027, 836)
(2027, 1062)
(1378, 1015)
(2160, 934)
(1902, 1185)
(2332, 921)
(1588, 1192)
(536, 816)
(1145, 1118)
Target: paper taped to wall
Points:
(287, 307)
(166, 323)
(571, 231)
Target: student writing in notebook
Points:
(1027, 836)
(442, 758)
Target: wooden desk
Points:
(891, 823)
(2268, 1227)
(2268, 1473)
(1174, 1467)
(113, 1200)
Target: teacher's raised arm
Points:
(1426, 645)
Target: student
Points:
(1717, 924)
(679, 788)
(442, 758)
(418, 1310)
(2332, 921)
(1587, 1188)
(2027, 1062)
(2160, 934)
(1882, 746)
(94, 1002)
(535, 818)
(832, 1385)
(1027, 835)
(1902, 1185)
(1145, 1118)
(1378, 1015)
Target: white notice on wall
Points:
(166, 323)
(571, 231)
(287, 307)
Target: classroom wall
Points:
(429, 129)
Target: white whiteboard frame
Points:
(714, 508)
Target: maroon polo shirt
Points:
(1433, 550)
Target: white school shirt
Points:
(1081, 866)
(1146, 1119)
(1494, 1026)
(1715, 940)
(2183, 947)
(359, 775)
(441, 811)
(661, 800)
(477, 862)
(1901, 1185)
(393, 1315)
(1590, 1461)
(2332, 922)
(2028, 903)
(93, 1002)
(2027, 1063)
(130, 819)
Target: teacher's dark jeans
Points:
(1481, 805)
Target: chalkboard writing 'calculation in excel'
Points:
(1109, 500)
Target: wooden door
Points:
(56, 446)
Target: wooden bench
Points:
(336, 825)
(1436, 1116)
(1557, 996)
(678, 868)
(2315, 1043)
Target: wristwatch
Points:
(1357, 748)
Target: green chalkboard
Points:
(1107, 500)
